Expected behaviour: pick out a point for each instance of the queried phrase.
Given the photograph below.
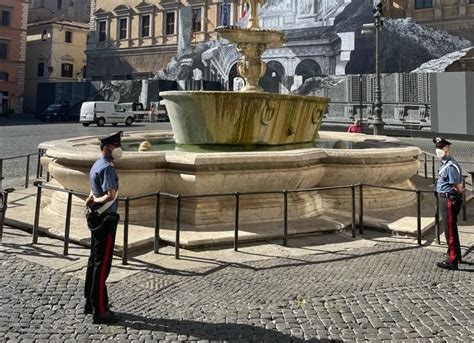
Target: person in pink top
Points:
(355, 127)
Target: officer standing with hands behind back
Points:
(450, 189)
(102, 220)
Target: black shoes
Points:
(106, 318)
(88, 308)
(447, 265)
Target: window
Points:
(40, 72)
(66, 70)
(5, 18)
(146, 26)
(59, 4)
(3, 76)
(170, 23)
(68, 37)
(102, 33)
(224, 14)
(197, 19)
(3, 50)
(420, 4)
(123, 28)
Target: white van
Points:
(102, 112)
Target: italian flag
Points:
(245, 8)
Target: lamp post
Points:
(377, 122)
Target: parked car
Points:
(162, 112)
(137, 108)
(57, 112)
(104, 112)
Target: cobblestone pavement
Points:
(391, 291)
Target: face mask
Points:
(440, 153)
(117, 153)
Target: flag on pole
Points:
(245, 8)
(224, 14)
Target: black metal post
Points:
(38, 164)
(464, 213)
(68, 224)
(426, 165)
(360, 102)
(27, 176)
(353, 226)
(433, 173)
(125, 232)
(157, 223)
(437, 231)
(38, 184)
(285, 218)
(3, 209)
(377, 122)
(418, 217)
(361, 209)
(178, 226)
(236, 227)
(1, 173)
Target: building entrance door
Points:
(3, 102)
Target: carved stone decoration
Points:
(306, 6)
(251, 66)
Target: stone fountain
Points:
(217, 148)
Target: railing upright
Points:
(433, 168)
(236, 226)
(464, 213)
(39, 185)
(125, 232)
(38, 164)
(285, 218)
(1, 173)
(353, 225)
(437, 231)
(361, 209)
(418, 217)
(157, 223)
(27, 176)
(178, 226)
(68, 224)
(425, 164)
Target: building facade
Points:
(13, 24)
(43, 10)
(453, 16)
(55, 53)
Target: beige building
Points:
(75, 10)
(13, 21)
(55, 53)
(135, 39)
(453, 16)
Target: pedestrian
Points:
(152, 113)
(355, 127)
(102, 220)
(449, 188)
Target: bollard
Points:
(68, 224)
(157, 224)
(178, 226)
(418, 217)
(353, 226)
(27, 176)
(38, 184)
(285, 218)
(125, 232)
(361, 209)
(236, 228)
(437, 233)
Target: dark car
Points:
(57, 112)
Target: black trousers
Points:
(100, 262)
(450, 208)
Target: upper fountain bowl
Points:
(239, 35)
(205, 117)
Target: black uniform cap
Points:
(440, 142)
(113, 139)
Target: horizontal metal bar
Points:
(139, 197)
(16, 157)
(399, 189)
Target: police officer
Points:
(450, 189)
(102, 199)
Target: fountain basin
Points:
(202, 117)
(239, 35)
(381, 160)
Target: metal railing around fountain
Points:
(27, 158)
(179, 198)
